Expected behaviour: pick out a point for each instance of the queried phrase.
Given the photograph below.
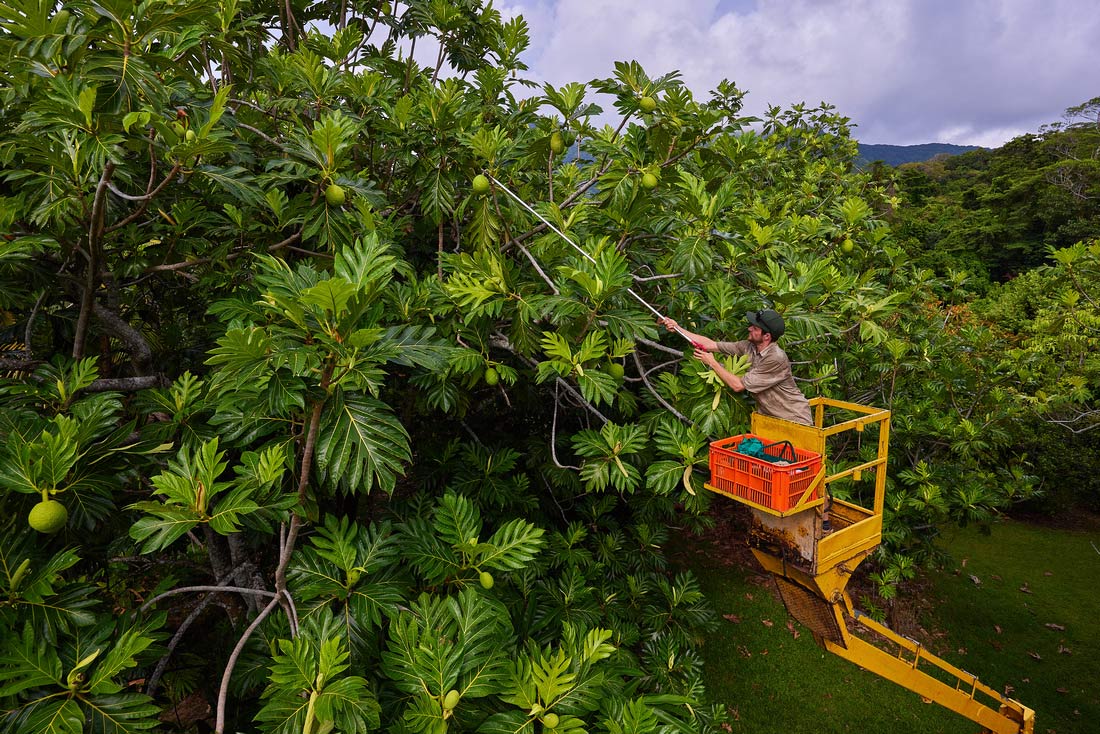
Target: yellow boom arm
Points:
(1009, 716)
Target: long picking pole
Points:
(577, 247)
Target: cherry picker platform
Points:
(812, 543)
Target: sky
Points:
(968, 72)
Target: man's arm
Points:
(735, 383)
(698, 340)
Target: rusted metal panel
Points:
(813, 612)
(792, 538)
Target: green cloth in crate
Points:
(753, 447)
(757, 449)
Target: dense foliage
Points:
(1014, 230)
(997, 213)
(406, 455)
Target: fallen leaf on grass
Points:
(1062, 690)
(995, 577)
(996, 645)
(1025, 589)
(964, 562)
(733, 618)
(1048, 573)
(1054, 626)
(1035, 655)
(998, 628)
(744, 651)
(790, 628)
(748, 596)
(767, 622)
(977, 581)
(1063, 650)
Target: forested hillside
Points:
(895, 155)
(1001, 212)
(307, 424)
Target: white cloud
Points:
(905, 71)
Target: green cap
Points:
(768, 321)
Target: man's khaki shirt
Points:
(771, 382)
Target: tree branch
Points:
(660, 347)
(162, 664)
(95, 234)
(191, 589)
(535, 263)
(667, 406)
(646, 279)
(554, 436)
(9, 364)
(142, 197)
(140, 351)
(293, 616)
(125, 384)
(283, 244)
(150, 192)
(223, 691)
(269, 140)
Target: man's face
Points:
(756, 335)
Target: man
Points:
(769, 378)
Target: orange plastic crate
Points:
(762, 482)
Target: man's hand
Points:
(732, 380)
(706, 357)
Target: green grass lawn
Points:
(773, 678)
(1032, 619)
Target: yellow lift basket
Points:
(813, 546)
